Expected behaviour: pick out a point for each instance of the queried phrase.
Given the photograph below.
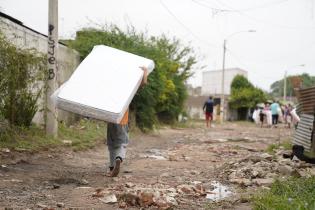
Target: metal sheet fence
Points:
(304, 134)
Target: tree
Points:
(244, 94)
(239, 82)
(303, 80)
(163, 98)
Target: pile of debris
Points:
(262, 169)
(160, 195)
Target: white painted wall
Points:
(212, 80)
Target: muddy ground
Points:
(171, 168)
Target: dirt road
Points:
(172, 168)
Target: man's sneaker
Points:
(116, 169)
(109, 173)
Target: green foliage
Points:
(84, 134)
(240, 82)
(277, 87)
(291, 194)
(286, 144)
(21, 71)
(244, 94)
(164, 95)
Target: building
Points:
(25, 37)
(212, 81)
(212, 85)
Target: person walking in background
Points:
(262, 115)
(268, 114)
(287, 115)
(208, 109)
(255, 115)
(275, 113)
(118, 138)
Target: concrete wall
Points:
(25, 37)
(212, 81)
(194, 105)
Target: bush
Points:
(291, 194)
(244, 94)
(162, 99)
(21, 73)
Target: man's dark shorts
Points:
(208, 115)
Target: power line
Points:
(214, 10)
(236, 57)
(277, 59)
(184, 26)
(240, 10)
(255, 75)
(263, 21)
(263, 6)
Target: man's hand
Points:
(145, 76)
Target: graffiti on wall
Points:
(51, 52)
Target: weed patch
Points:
(286, 144)
(82, 135)
(291, 194)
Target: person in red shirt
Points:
(208, 109)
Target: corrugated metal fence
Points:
(304, 134)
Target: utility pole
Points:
(285, 80)
(285, 86)
(51, 113)
(222, 109)
(222, 105)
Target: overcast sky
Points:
(284, 37)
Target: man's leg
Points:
(207, 119)
(117, 140)
(120, 155)
(109, 142)
(289, 121)
(111, 158)
(273, 119)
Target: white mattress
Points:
(103, 85)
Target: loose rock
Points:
(60, 205)
(264, 182)
(285, 170)
(185, 189)
(130, 185)
(111, 198)
(242, 182)
(146, 199)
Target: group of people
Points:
(272, 113)
(269, 114)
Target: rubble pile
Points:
(262, 168)
(130, 194)
(159, 195)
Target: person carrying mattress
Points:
(117, 138)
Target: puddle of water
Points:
(219, 192)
